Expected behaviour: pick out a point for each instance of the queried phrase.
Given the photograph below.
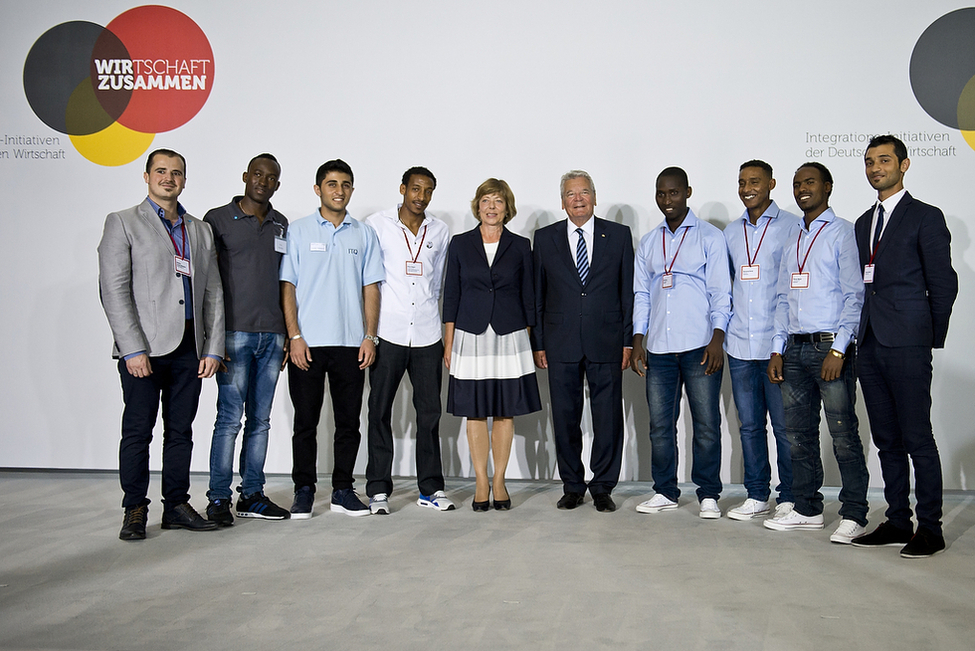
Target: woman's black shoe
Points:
(481, 506)
(502, 505)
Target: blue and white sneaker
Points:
(259, 506)
(379, 504)
(301, 508)
(344, 500)
(436, 501)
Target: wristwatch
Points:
(374, 339)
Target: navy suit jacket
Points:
(594, 320)
(475, 294)
(914, 285)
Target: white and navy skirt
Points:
(492, 375)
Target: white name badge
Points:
(281, 245)
(800, 280)
(667, 281)
(749, 272)
(414, 268)
(318, 246)
(868, 273)
(182, 265)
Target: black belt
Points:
(814, 338)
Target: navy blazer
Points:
(594, 320)
(914, 286)
(476, 295)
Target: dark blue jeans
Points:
(246, 388)
(803, 392)
(756, 396)
(666, 375)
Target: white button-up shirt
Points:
(409, 314)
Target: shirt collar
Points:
(891, 202)
(826, 216)
(771, 212)
(588, 228)
(689, 220)
(345, 220)
(180, 211)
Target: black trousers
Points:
(425, 367)
(896, 384)
(174, 379)
(565, 382)
(340, 365)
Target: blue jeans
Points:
(666, 375)
(803, 389)
(246, 388)
(756, 396)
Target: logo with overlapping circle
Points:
(943, 71)
(112, 89)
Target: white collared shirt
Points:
(889, 204)
(409, 314)
(587, 234)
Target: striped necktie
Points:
(582, 257)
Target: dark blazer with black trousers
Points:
(476, 294)
(583, 329)
(905, 314)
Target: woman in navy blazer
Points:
(488, 307)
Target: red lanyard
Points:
(414, 258)
(748, 255)
(176, 246)
(663, 242)
(806, 257)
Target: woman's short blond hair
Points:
(495, 186)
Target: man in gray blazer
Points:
(160, 288)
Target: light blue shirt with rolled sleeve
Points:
(833, 300)
(752, 322)
(329, 266)
(685, 316)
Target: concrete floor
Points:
(531, 578)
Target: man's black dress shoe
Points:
(184, 516)
(481, 506)
(570, 500)
(134, 523)
(604, 502)
(924, 543)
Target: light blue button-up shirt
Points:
(833, 300)
(685, 316)
(329, 266)
(753, 301)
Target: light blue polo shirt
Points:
(329, 267)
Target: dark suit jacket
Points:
(475, 294)
(594, 320)
(914, 286)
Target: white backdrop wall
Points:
(517, 90)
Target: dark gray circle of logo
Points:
(942, 63)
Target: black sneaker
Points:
(924, 543)
(302, 507)
(218, 511)
(886, 535)
(259, 506)
(134, 523)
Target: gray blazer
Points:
(141, 293)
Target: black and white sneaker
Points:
(259, 506)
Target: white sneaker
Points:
(783, 508)
(748, 509)
(379, 504)
(846, 532)
(710, 509)
(794, 520)
(656, 504)
(436, 501)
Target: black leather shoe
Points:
(570, 501)
(134, 523)
(924, 543)
(604, 502)
(886, 535)
(481, 506)
(184, 516)
(502, 505)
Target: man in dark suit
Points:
(905, 252)
(583, 332)
(160, 287)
